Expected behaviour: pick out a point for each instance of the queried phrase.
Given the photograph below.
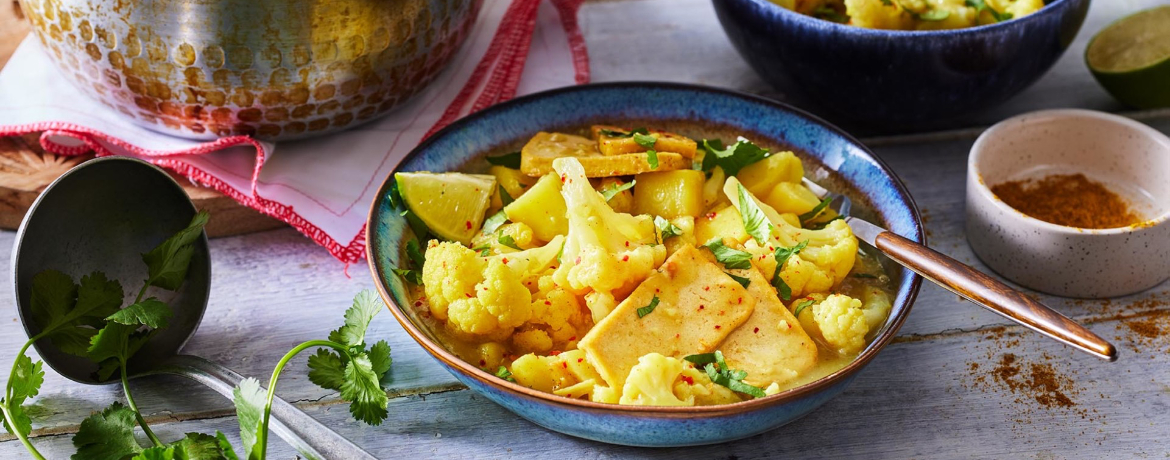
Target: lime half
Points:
(451, 204)
(1131, 58)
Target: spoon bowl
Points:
(101, 216)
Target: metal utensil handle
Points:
(992, 294)
(302, 432)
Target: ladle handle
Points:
(301, 431)
(992, 294)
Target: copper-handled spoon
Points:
(971, 284)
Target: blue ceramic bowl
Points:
(827, 152)
(898, 79)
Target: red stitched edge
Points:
(568, 10)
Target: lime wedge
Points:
(1131, 58)
(451, 204)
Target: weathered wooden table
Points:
(958, 382)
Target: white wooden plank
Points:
(918, 399)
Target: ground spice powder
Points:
(1072, 200)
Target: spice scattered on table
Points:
(1071, 200)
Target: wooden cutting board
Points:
(25, 168)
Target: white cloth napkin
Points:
(324, 186)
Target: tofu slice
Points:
(538, 154)
(771, 346)
(698, 306)
(664, 142)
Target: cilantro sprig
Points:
(666, 229)
(717, 370)
(755, 222)
(612, 189)
(643, 311)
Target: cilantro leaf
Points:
(97, 298)
(731, 159)
(801, 306)
(199, 446)
(652, 158)
(643, 311)
(160, 453)
(420, 229)
(26, 383)
(730, 257)
(168, 262)
(782, 255)
(613, 133)
(412, 276)
(151, 313)
(716, 368)
(327, 369)
(701, 358)
(503, 373)
(107, 435)
(492, 223)
(357, 318)
(225, 447)
(741, 280)
(666, 228)
(508, 241)
(395, 196)
(416, 254)
(250, 400)
(507, 160)
(505, 197)
(738, 385)
(829, 14)
(134, 342)
(380, 358)
(111, 342)
(63, 309)
(484, 250)
(754, 221)
(614, 188)
(645, 140)
(53, 294)
(363, 391)
(815, 211)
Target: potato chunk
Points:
(724, 222)
(669, 194)
(538, 154)
(761, 176)
(771, 346)
(698, 305)
(542, 208)
(664, 142)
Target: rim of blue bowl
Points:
(441, 353)
(1048, 7)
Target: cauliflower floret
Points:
(482, 296)
(825, 261)
(605, 252)
(651, 383)
(567, 374)
(558, 321)
(837, 320)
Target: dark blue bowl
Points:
(827, 152)
(898, 79)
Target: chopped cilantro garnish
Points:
(801, 306)
(934, 15)
(716, 369)
(648, 308)
(741, 280)
(782, 255)
(505, 197)
(503, 373)
(614, 188)
(484, 250)
(665, 228)
(508, 241)
(754, 220)
(508, 160)
(729, 257)
(981, 5)
(414, 276)
(491, 224)
(645, 140)
(652, 158)
(816, 211)
(733, 158)
(829, 14)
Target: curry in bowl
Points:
(639, 267)
(914, 14)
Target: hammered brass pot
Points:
(273, 69)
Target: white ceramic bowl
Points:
(1129, 157)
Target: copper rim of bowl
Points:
(1018, 121)
(1048, 5)
(789, 395)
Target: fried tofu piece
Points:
(771, 346)
(538, 154)
(664, 142)
(698, 306)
